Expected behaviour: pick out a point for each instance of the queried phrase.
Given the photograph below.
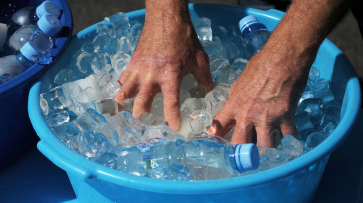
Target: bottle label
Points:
(150, 165)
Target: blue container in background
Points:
(295, 181)
(16, 132)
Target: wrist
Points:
(167, 12)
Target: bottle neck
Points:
(230, 153)
(23, 62)
(251, 28)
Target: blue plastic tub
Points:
(295, 181)
(16, 132)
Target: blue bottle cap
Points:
(246, 21)
(48, 7)
(246, 157)
(49, 24)
(30, 52)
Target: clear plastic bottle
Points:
(140, 159)
(254, 33)
(42, 35)
(13, 65)
(30, 15)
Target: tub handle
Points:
(64, 162)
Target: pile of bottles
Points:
(26, 36)
(81, 111)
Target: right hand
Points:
(168, 49)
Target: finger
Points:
(222, 123)
(125, 75)
(265, 136)
(243, 133)
(288, 128)
(170, 90)
(127, 90)
(144, 99)
(203, 75)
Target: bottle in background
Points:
(254, 33)
(13, 65)
(29, 15)
(42, 35)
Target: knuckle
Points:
(121, 94)
(171, 103)
(141, 100)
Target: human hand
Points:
(168, 49)
(264, 98)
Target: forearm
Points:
(307, 23)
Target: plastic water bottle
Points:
(254, 33)
(29, 15)
(140, 159)
(13, 65)
(42, 35)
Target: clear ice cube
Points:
(203, 28)
(57, 117)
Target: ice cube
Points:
(88, 47)
(303, 122)
(56, 98)
(184, 94)
(214, 50)
(313, 74)
(119, 22)
(292, 146)
(232, 50)
(307, 94)
(90, 120)
(151, 119)
(103, 44)
(65, 132)
(157, 132)
(110, 89)
(131, 135)
(87, 63)
(189, 82)
(326, 94)
(219, 63)
(107, 159)
(134, 33)
(125, 46)
(91, 94)
(332, 113)
(109, 133)
(314, 140)
(57, 117)
(239, 65)
(120, 61)
(157, 108)
(75, 92)
(105, 62)
(109, 106)
(220, 32)
(218, 107)
(103, 29)
(219, 93)
(80, 108)
(200, 120)
(203, 28)
(192, 104)
(224, 75)
(91, 144)
(271, 157)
